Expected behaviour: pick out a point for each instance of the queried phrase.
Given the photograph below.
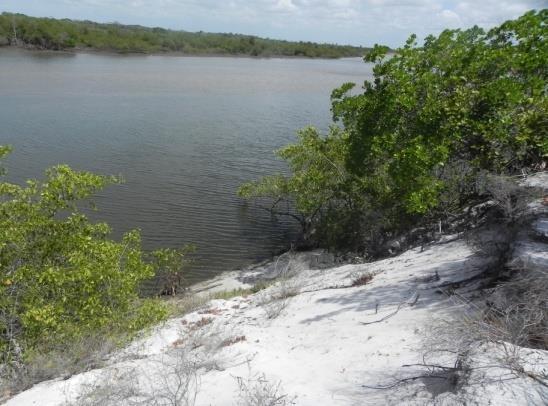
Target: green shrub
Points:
(170, 265)
(464, 95)
(61, 276)
(320, 193)
(414, 140)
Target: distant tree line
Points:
(53, 34)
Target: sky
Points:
(356, 22)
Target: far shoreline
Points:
(95, 51)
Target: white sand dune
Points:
(328, 344)
(313, 339)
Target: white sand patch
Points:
(327, 343)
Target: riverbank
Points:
(267, 271)
(317, 333)
(94, 51)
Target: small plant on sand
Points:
(276, 298)
(258, 391)
(362, 280)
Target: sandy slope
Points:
(319, 349)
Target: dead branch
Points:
(410, 302)
(404, 380)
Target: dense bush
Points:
(49, 33)
(469, 95)
(61, 276)
(413, 141)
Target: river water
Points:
(184, 132)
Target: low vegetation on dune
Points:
(53, 34)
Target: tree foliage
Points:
(320, 193)
(49, 33)
(433, 116)
(61, 276)
(469, 95)
(318, 174)
(169, 265)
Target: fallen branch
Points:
(430, 366)
(402, 381)
(536, 378)
(411, 302)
